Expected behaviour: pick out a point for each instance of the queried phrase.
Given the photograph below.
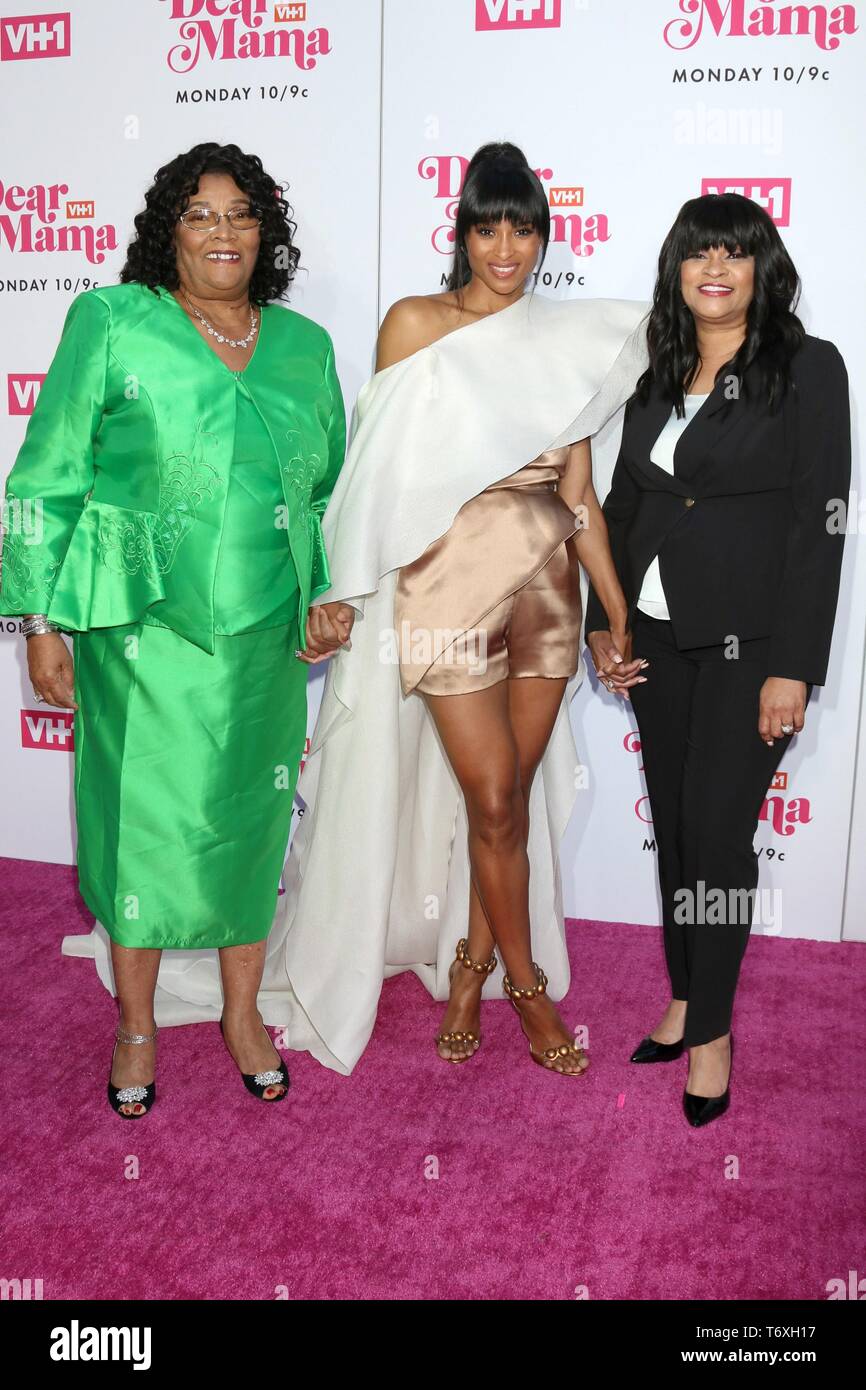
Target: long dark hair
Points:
(773, 331)
(498, 186)
(151, 255)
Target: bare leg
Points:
(245, 1034)
(673, 1023)
(485, 711)
(135, 972)
(494, 740)
(463, 1014)
(710, 1067)
(534, 704)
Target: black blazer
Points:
(741, 527)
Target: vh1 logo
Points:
(22, 390)
(774, 195)
(565, 197)
(52, 731)
(518, 14)
(34, 36)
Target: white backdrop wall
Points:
(370, 110)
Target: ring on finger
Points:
(787, 728)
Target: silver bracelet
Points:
(36, 625)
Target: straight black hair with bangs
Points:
(773, 331)
(499, 186)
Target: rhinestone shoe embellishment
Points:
(268, 1078)
(130, 1093)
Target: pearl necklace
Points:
(221, 337)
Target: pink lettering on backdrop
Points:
(518, 14)
(54, 732)
(774, 195)
(28, 223)
(826, 25)
(229, 29)
(580, 232)
(43, 199)
(249, 12)
(784, 816)
(34, 36)
(22, 391)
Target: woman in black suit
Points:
(735, 452)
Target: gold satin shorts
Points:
(534, 631)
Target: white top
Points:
(652, 596)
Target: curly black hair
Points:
(151, 256)
(774, 334)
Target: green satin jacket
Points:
(127, 456)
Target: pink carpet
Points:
(546, 1187)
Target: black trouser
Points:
(707, 772)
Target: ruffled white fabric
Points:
(377, 879)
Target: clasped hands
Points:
(613, 661)
(329, 627)
(781, 704)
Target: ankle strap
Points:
(124, 1037)
(515, 994)
(479, 966)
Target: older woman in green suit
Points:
(165, 508)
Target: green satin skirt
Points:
(185, 772)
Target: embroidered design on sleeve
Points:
(26, 563)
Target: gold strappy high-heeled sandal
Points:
(481, 968)
(549, 1057)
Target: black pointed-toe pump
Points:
(701, 1110)
(648, 1050)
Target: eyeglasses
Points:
(200, 219)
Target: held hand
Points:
(329, 626)
(49, 665)
(782, 708)
(612, 658)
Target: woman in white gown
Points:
(443, 765)
(457, 535)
